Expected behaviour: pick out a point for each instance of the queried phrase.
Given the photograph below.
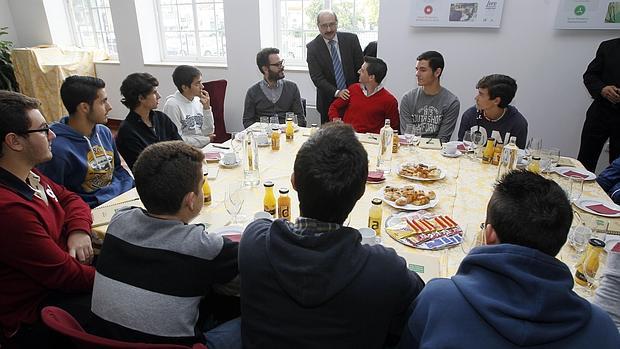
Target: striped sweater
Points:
(152, 275)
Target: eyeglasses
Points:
(328, 25)
(277, 64)
(45, 129)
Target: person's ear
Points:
(437, 72)
(14, 141)
(497, 100)
(189, 201)
(491, 235)
(83, 108)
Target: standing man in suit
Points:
(333, 61)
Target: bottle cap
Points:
(268, 184)
(315, 125)
(275, 128)
(377, 201)
(537, 158)
(289, 119)
(283, 190)
(597, 243)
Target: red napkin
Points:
(213, 155)
(461, 147)
(375, 176)
(600, 208)
(616, 248)
(236, 237)
(571, 173)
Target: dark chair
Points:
(63, 323)
(217, 93)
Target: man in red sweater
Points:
(369, 103)
(44, 241)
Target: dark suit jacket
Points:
(322, 70)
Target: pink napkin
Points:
(571, 173)
(375, 176)
(235, 237)
(213, 155)
(616, 248)
(600, 208)
(461, 147)
(402, 140)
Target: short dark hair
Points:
(13, 113)
(331, 169)
(376, 67)
(77, 89)
(136, 85)
(435, 60)
(262, 57)
(184, 75)
(502, 86)
(529, 210)
(164, 173)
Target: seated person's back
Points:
(154, 268)
(273, 95)
(143, 125)
(311, 284)
(85, 157)
(493, 111)
(369, 103)
(513, 293)
(609, 180)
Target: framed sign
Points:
(588, 14)
(463, 13)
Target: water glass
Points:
(264, 124)
(533, 146)
(274, 122)
(576, 188)
(599, 228)
(549, 158)
(474, 235)
(467, 143)
(578, 238)
(477, 140)
(234, 201)
(292, 116)
(413, 133)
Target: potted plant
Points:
(7, 74)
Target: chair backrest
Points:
(63, 323)
(217, 93)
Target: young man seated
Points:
(311, 284)
(45, 242)
(493, 111)
(369, 103)
(609, 180)
(190, 107)
(143, 125)
(513, 293)
(155, 268)
(85, 158)
(273, 95)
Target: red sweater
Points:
(367, 114)
(33, 248)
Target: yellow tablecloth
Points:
(463, 194)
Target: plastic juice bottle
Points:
(589, 262)
(284, 204)
(275, 138)
(534, 165)
(313, 129)
(487, 155)
(497, 153)
(375, 216)
(269, 201)
(206, 191)
(290, 131)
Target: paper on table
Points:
(430, 143)
(427, 266)
(102, 214)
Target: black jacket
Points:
(604, 70)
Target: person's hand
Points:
(611, 93)
(211, 137)
(205, 100)
(80, 246)
(344, 94)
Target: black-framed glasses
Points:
(45, 129)
(277, 64)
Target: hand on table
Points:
(611, 93)
(80, 246)
(205, 100)
(344, 94)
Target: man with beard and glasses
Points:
(273, 95)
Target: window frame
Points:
(99, 36)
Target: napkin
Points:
(430, 143)
(461, 147)
(235, 237)
(571, 173)
(600, 208)
(212, 155)
(375, 176)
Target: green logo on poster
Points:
(580, 10)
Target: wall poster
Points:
(588, 14)
(456, 13)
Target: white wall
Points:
(6, 20)
(30, 22)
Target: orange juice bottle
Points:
(206, 190)
(275, 138)
(290, 131)
(375, 216)
(269, 201)
(284, 204)
(589, 262)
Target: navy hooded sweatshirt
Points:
(507, 296)
(320, 291)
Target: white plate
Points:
(584, 203)
(442, 174)
(562, 170)
(408, 207)
(229, 166)
(454, 155)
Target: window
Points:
(297, 23)
(91, 25)
(192, 30)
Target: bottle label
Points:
(375, 225)
(283, 212)
(207, 200)
(271, 210)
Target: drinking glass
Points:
(234, 201)
(549, 158)
(474, 235)
(578, 238)
(264, 124)
(468, 144)
(274, 122)
(292, 116)
(235, 144)
(533, 146)
(477, 142)
(412, 135)
(576, 188)
(599, 229)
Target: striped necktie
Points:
(341, 83)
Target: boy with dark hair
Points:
(190, 107)
(155, 268)
(430, 105)
(273, 95)
(85, 157)
(493, 111)
(311, 284)
(513, 293)
(369, 103)
(143, 125)
(45, 238)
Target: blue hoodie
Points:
(507, 296)
(88, 166)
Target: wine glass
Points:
(412, 135)
(234, 201)
(533, 146)
(235, 144)
(474, 235)
(468, 144)
(477, 140)
(578, 238)
(549, 158)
